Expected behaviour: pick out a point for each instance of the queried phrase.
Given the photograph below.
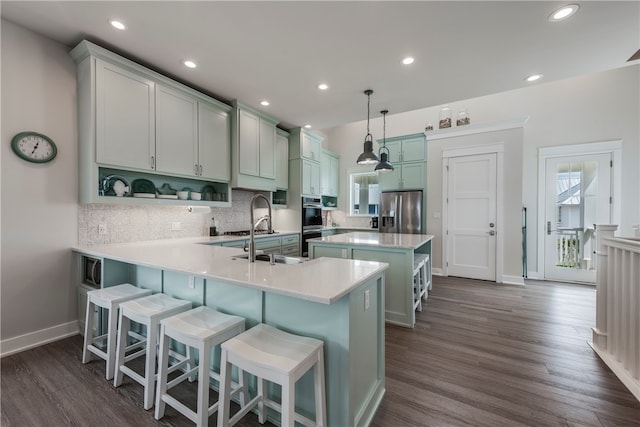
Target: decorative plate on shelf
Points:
(207, 192)
(115, 185)
(142, 185)
(167, 196)
(166, 190)
(145, 195)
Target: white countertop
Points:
(374, 238)
(323, 280)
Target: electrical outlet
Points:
(192, 282)
(344, 253)
(102, 228)
(175, 226)
(436, 214)
(367, 299)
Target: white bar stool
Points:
(202, 328)
(109, 298)
(148, 311)
(279, 357)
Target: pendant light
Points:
(384, 165)
(368, 157)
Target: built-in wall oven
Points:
(311, 221)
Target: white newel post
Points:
(600, 331)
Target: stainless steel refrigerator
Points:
(400, 212)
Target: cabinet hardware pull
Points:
(200, 170)
(195, 169)
(153, 162)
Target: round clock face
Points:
(34, 147)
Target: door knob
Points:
(492, 233)
(491, 225)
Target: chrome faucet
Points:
(252, 246)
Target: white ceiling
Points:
(280, 51)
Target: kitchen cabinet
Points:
(291, 245)
(253, 149)
(282, 159)
(408, 156)
(409, 148)
(329, 173)
(176, 132)
(405, 176)
(135, 123)
(124, 116)
(310, 178)
(311, 146)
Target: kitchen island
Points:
(398, 250)
(338, 301)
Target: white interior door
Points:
(577, 196)
(471, 216)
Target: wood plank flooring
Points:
(481, 354)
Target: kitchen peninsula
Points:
(398, 250)
(338, 301)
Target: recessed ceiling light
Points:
(190, 64)
(408, 60)
(533, 77)
(307, 126)
(264, 103)
(117, 24)
(563, 13)
(323, 86)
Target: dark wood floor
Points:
(481, 355)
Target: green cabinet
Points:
(282, 159)
(291, 245)
(136, 123)
(176, 132)
(253, 149)
(311, 146)
(310, 178)
(124, 115)
(329, 173)
(408, 156)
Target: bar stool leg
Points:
(88, 332)
(163, 371)
(111, 341)
(225, 386)
(123, 333)
(288, 402)
(150, 364)
(318, 373)
(261, 406)
(203, 385)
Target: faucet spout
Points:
(252, 246)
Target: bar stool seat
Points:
(202, 328)
(109, 298)
(148, 311)
(277, 356)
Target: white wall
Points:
(39, 202)
(597, 107)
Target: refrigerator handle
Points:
(399, 214)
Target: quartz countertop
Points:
(374, 238)
(322, 280)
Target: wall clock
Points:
(34, 147)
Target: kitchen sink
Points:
(279, 259)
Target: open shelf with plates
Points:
(118, 186)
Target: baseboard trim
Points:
(534, 275)
(513, 280)
(35, 339)
(623, 375)
(436, 272)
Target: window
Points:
(364, 193)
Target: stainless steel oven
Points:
(311, 213)
(311, 221)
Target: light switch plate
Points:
(175, 226)
(367, 299)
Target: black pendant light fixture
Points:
(384, 165)
(368, 157)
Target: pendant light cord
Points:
(368, 111)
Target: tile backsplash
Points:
(136, 223)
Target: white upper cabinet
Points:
(176, 132)
(282, 159)
(214, 142)
(125, 118)
(253, 151)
